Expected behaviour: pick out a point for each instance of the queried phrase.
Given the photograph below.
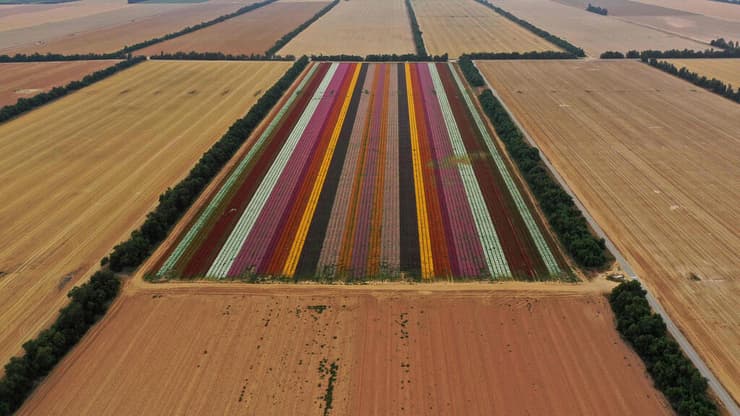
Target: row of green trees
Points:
(409, 57)
(24, 105)
(672, 372)
(88, 303)
(421, 50)
(561, 212)
(722, 43)
(688, 53)
(596, 9)
(175, 201)
(521, 55)
(189, 29)
(713, 84)
(470, 71)
(286, 38)
(219, 56)
(37, 57)
(633, 54)
(562, 43)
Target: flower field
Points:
(368, 171)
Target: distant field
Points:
(259, 350)
(357, 27)
(594, 33)
(34, 1)
(374, 171)
(727, 70)
(253, 32)
(79, 174)
(459, 26)
(111, 30)
(709, 8)
(26, 79)
(697, 27)
(655, 160)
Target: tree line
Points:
(190, 29)
(287, 37)
(714, 85)
(596, 9)
(421, 50)
(673, 54)
(219, 56)
(88, 303)
(409, 57)
(49, 57)
(470, 71)
(24, 105)
(521, 55)
(175, 201)
(672, 373)
(722, 43)
(561, 212)
(562, 43)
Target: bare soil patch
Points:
(82, 172)
(654, 160)
(228, 349)
(26, 79)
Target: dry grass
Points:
(26, 79)
(594, 33)
(253, 32)
(81, 173)
(357, 27)
(246, 349)
(459, 26)
(726, 70)
(111, 30)
(655, 160)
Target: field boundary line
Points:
(724, 397)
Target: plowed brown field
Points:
(244, 349)
(110, 30)
(356, 27)
(654, 159)
(80, 173)
(253, 32)
(726, 70)
(592, 32)
(459, 26)
(26, 79)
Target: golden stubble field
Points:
(252, 32)
(655, 161)
(357, 27)
(81, 173)
(400, 349)
(84, 31)
(592, 32)
(26, 79)
(726, 70)
(459, 26)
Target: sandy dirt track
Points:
(654, 160)
(253, 32)
(82, 172)
(26, 79)
(111, 30)
(594, 33)
(459, 26)
(228, 349)
(726, 70)
(357, 27)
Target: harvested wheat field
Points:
(654, 159)
(272, 349)
(726, 70)
(253, 32)
(592, 32)
(356, 27)
(716, 9)
(82, 172)
(24, 15)
(459, 26)
(26, 79)
(110, 31)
